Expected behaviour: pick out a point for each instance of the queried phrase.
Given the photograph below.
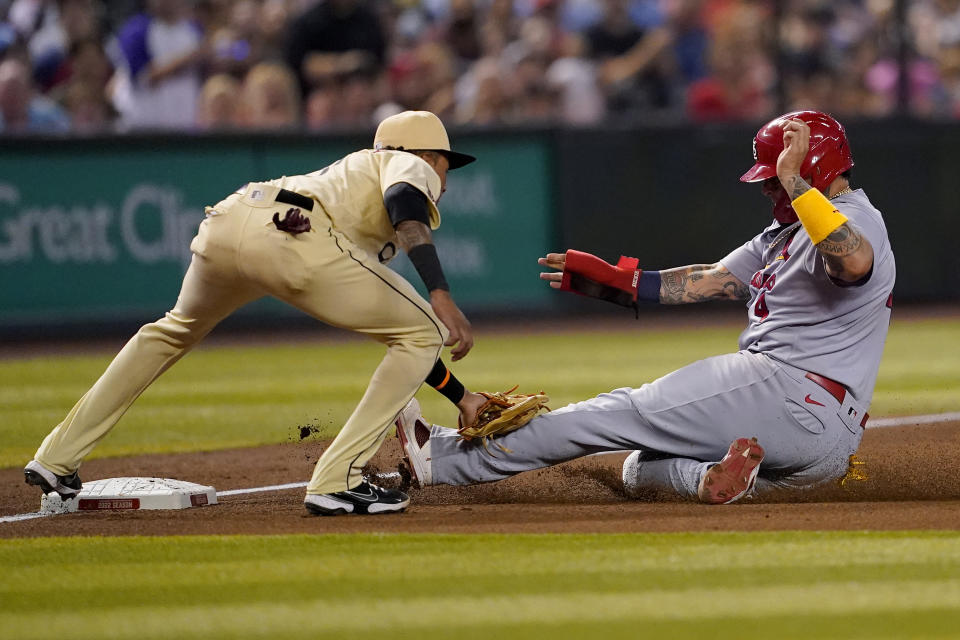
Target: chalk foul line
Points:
(903, 421)
(295, 485)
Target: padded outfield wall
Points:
(96, 232)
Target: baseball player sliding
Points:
(787, 409)
(320, 243)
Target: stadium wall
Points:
(671, 196)
(96, 231)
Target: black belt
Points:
(835, 389)
(295, 199)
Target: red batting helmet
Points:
(828, 157)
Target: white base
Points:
(113, 494)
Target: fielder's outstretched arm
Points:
(415, 238)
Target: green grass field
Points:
(775, 585)
(245, 396)
(778, 585)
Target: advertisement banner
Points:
(103, 233)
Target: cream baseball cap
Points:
(418, 131)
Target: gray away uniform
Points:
(800, 321)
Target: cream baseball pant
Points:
(238, 256)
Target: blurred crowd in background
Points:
(92, 66)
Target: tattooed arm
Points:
(847, 254)
(699, 282)
(412, 233)
(415, 238)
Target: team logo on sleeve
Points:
(387, 253)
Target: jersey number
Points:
(760, 306)
(764, 282)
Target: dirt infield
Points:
(912, 484)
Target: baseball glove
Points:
(503, 413)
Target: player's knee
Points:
(426, 337)
(433, 339)
(175, 330)
(444, 333)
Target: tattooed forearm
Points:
(411, 233)
(692, 284)
(735, 289)
(730, 284)
(795, 186)
(672, 285)
(847, 254)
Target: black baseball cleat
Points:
(366, 498)
(66, 486)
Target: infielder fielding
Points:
(318, 242)
(818, 285)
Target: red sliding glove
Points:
(587, 275)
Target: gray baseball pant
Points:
(687, 419)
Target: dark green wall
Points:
(96, 231)
(99, 231)
(672, 196)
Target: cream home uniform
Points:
(334, 272)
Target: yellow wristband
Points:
(818, 215)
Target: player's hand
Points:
(796, 144)
(554, 261)
(461, 334)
